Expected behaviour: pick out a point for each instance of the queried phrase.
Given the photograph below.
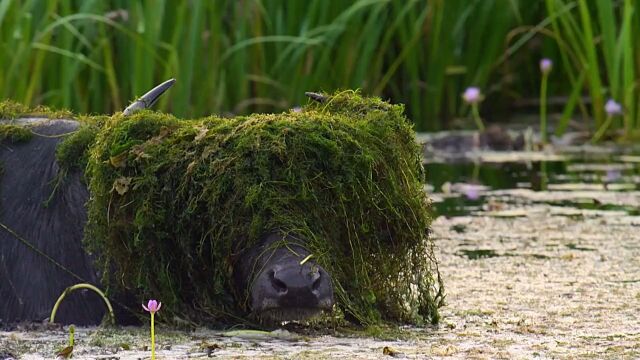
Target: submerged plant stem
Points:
(476, 116)
(543, 107)
(72, 331)
(598, 135)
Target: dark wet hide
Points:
(43, 213)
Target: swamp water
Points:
(540, 254)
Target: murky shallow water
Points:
(528, 274)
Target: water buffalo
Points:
(272, 217)
(284, 286)
(41, 250)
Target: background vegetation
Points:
(233, 56)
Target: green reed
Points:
(240, 57)
(261, 56)
(598, 40)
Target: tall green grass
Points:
(233, 56)
(245, 56)
(599, 50)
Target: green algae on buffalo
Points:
(14, 133)
(73, 152)
(174, 200)
(13, 110)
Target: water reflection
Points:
(463, 187)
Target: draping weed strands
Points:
(173, 201)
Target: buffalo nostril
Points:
(277, 284)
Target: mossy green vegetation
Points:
(14, 133)
(173, 201)
(12, 110)
(73, 152)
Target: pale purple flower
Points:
(612, 108)
(472, 95)
(612, 175)
(153, 306)
(296, 109)
(471, 191)
(546, 65)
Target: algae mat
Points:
(548, 283)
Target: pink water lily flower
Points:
(153, 306)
